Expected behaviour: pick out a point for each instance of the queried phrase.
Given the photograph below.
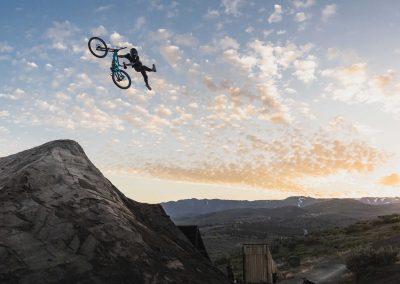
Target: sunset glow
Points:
(262, 99)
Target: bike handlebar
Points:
(116, 49)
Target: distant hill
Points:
(191, 207)
(224, 231)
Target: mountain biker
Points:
(135, 62)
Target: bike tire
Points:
(93, 43)
(126, 79)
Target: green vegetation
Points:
(342, 242)
(362, 260)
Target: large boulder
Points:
(62, 221)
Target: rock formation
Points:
(62, 221)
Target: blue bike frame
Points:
(115, 65)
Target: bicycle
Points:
(99, 48)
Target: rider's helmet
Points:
(133, 52)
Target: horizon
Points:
(252, 100)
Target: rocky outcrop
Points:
(62, 221)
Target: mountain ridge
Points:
(64, 222)
(191, 207)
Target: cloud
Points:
(391, 180)
(31, 64)
(354, 84)
(276, 16)
(228, 42)
(212, 14)
(186, 40)
(300, 17)
(163, 111)
(328, 12)
(162, 35)
(305, 69)
(247, 63)
(140, 23)
(280, 163)
(303, 3)
(5, 47)
(232, 6)
(99, 31)
(61, 33)
(4, 130)
(103, 8)
(4, 113)
(173, 55)
(119, 40)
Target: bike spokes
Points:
(121, 79)
(98, 47)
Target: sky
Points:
(253, 99)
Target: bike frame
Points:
(115, 61)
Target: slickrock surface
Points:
(62, 221)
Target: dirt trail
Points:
(319, 271)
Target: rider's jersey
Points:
(133, 60)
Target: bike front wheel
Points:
(97, 47)
(121, 79)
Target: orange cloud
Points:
(391, 180)
(278, 164)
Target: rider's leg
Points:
(145, 79)
(145, 68)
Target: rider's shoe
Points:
(154, 68)
(148, 87)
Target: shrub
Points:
(294, 261)
(361, 260)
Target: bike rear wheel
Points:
(97, 47)
(121, 79)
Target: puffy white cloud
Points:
(5, 47)
(303, 3)
(276, 16)
(300, 17)
(4, 130)
(173, 55)
(232, 6)
(186, 40)
(119, 40)
(4, 113)
(355, 84)
(163, 111)
(245, 62)
(31, 64)
(8, 96)
(212, 14)
(228, 42)
(305, 69)
(354, 74)
(99, 31)
(61, 33)
(328, 12)
(162, 35)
